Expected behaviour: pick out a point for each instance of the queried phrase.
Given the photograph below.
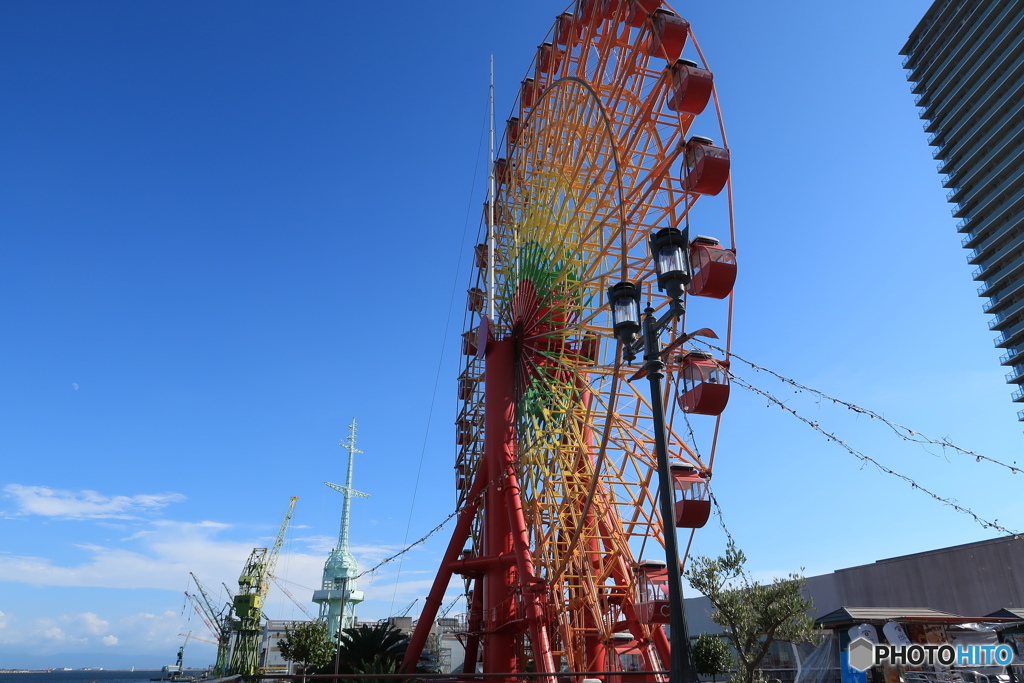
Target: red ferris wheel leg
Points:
(444, 573)
(499, 456)
(532, 588)
(505, 532)
(476, 617)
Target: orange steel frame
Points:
(559, 496)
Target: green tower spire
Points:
(338, 594)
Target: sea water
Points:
(83, 676)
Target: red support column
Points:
(533, 589)
(444, 572)
(475, 625)
(499, 452)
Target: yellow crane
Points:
(253, 584)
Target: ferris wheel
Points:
(559, 534)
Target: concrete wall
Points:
(970, 580)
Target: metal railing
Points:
(461, 677)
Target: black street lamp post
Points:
(668, 249)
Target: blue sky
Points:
(228, 228)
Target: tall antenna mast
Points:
(338, 594)
(347, 491)
(490, 206)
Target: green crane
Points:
(253, 584)
(218, 621)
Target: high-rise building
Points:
(965, 60)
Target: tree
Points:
(753, 615)
(712, 655)
(308, 644)
(377, 648)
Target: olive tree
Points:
(308, 644)
(753, 615)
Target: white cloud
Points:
(86, 631)
(88, 623)
(47, 502)
(161, 560)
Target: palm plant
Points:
(371, 648)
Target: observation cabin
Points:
(529, 92)
(705, 383)
(712, 268)
(549, 59)
(652, 592)
(668, 34)
(627, 650)
(692, 502)
(705, 167)
(691, 87)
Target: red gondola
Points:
(463, 432)
(501, 171)
(590, 10)
(691, 87)
(668, 35)
(630, 659)
(705, 384)
(567, 29)
(549, 58)
(693, 505)
(475, 299)
(528, 92)
(460, 477)
(706, 166)
(652, 592)
(639, 10)
(712, 268)
(512, 130)
(465, 388)
(480, 256)
(469, 342)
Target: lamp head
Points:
(669, 252)
(624, 299)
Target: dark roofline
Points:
(938, 551)
(844, 617)
(1009, 613)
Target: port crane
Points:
(279, 583)
(253, 584)
(217, 620)
(201, 640)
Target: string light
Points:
(901, 431)
(993, 524)
(430, 533)
(905, 433)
